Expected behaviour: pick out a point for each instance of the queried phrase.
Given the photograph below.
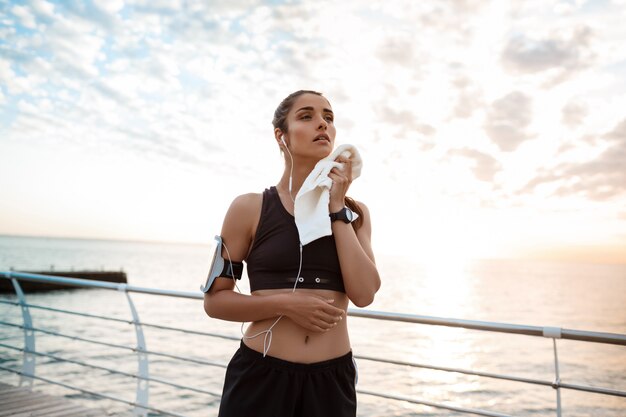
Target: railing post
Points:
(557, 379)
(28, 363)
(555, 333)
(141, 398)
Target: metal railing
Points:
(141, 404)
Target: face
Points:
(311, 127)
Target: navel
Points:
(306, 339)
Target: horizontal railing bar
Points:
(182, 358)
(113, 371)
(97, 342)
(82, 339)
(596, 337)
(433, 404)
(581, 335)
(595, 390)
(157, 326)
(457, 370)
(75, 313)
(189, 331)
(96, 394)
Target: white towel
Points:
(311, 203)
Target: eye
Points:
(329, 118)
(305, 116)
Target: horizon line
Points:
(572, 258)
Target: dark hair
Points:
(280, 115)
(280, 122)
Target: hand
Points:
(313, 312)
(341, 182)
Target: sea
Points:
(581, 296)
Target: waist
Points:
(294, 343)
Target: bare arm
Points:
(312, 312)
(358, 267)
(360, 275)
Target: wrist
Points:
(283, 305)
(334, 208)
(344, 215)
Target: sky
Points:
(488, 129)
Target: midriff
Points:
(294, 343)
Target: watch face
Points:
(349, 214)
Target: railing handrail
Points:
(542, 331)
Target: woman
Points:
(295, 358)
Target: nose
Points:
(322, 124)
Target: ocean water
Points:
(576, 296)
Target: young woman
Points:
(295, 358)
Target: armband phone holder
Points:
(220, 267)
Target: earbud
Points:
(282, 138)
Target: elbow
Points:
(209, 307)
(363, 301)
(365, 298)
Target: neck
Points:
(301, 170)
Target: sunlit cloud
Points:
(601, 178)
(574, 113)
(484, 166)
(508, 120)
(561, 56)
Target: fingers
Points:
(329, 308)
(324, 325)
(317, 313)
(327, 319)
(342, 174)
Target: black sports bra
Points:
(275, 254)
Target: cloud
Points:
(618, 134)
(405, 122)
(110, 6)
(6, 72)
(397, 50)
(43, 9)
(25, 17)
(469, 98)
(599, 179)
(508, 119)
(574, 113)
(485, 166)
(565, 55)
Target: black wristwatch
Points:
(345, 215)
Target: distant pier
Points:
(31, 286)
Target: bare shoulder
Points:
(247, 203)
(240, 223)
(244, 209)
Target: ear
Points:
(280, 137)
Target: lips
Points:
(322, 137)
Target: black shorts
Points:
(257, 386)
